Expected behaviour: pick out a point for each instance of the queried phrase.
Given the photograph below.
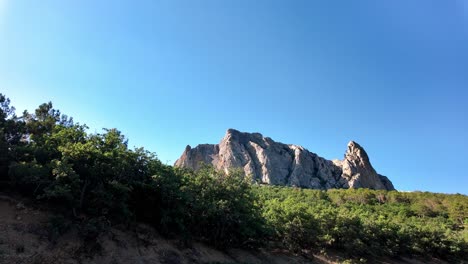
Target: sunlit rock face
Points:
(275, 163)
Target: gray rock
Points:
(358, 170)
(386, 182)
(275, 163)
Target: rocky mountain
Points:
(276, 163)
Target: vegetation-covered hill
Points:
(95, 182)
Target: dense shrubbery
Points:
(364, 222)
(96, 181)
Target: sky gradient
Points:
(390, 75)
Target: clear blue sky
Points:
(391, 75)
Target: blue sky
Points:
(391, 75)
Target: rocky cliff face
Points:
(276, 163)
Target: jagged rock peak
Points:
(276, 163)
(356, 151)
(233, 135)
(358, 170)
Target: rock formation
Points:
(276, 163)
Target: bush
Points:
(221, 208)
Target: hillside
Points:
(30, 234)
(94, 192)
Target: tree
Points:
(10, 135)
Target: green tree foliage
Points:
(292, 221)
(221, 207)
(96, 180)
(11, 132)
(368, 223)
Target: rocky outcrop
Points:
(358, 171)
(275, 163)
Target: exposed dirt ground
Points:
(25, 238)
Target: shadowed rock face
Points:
(276, 163)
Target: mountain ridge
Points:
(275, 163)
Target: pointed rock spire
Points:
(358, 170)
